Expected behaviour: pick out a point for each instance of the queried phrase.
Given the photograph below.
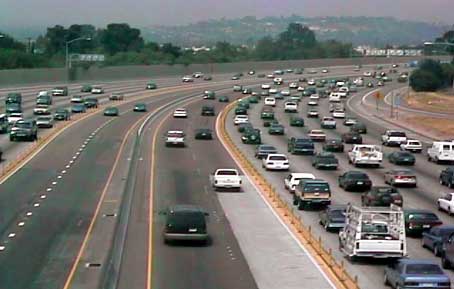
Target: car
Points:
(185, 223)
(207, 78)
(332, 218)
(315, 192)
(261, 75)
(325, 70)
(400, 177)
(240, 110)
(394, 138)
(13, 108)
(247, 91)
(338, 113)
(86, 88)
(78, 108)
(251, 72)
(325, 160)
(300, 146)
(253, 99)
(278, 96)
(359, 128)
(208, 110)
(276, 129)
(314, 96)
(352, 138)
(62, 114)
(349, 121)
(77, 99)
(334, 97)
(45, 121)
(240, 119)
(60, 91)
(278, 81)
(209, 94)
(293, 85)
(285, 92)
(381, 196)
(116, 96)
(296, 98)
(328, 123)
(91, 102)
(226, 179)
(151, 85)
(270, 101)
(276, 162)
(334, 106)
(446, 203)
(111, 111)
(180, 113)
(291, 106)
(333, 145)
(354, 181)
(175, 138)
(312, 113)
(244, 126)
(312, 102)
(44, 100)
(267, 113)
(197, 74)
(263, 150)
(97, 90)
(401, 158)
(187, 79)
(317, 135)
(244, 103)
(416, 273)
(434, 238)
(223, 98)
(447, 177)
(272, 90)
(293, 179)
(140, 107)
(41, 109)
(380, 83)
(251, 136)
(203, 133)
(311, 82)
(24, 129)
(265, 93)
(312, 71)
(296, 121)
(411, 145)
(370, 85)
(14, 117)
(419, 220)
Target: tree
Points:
(171, 49)
(7, 42)
(56, 39)
(423, 80)
(433, 67)
(297, 36)
(265, 49)
(121, 38)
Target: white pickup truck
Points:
(377, 232)
(365, 155)
(393, 137)
(226, 179)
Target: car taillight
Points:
(357, 246)
(411, 225)
(285, 163)
(270, 163)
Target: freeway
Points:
(423, 197)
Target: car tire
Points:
(295, 200)
(451, 184)
(301, 205)
(423, 244)
(445, 263)
(441, 182)
(385, 281)
(436, 250)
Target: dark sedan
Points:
(111, 111)
(402, 158)
(62, 114)
(325, 160)
(204, 133)
(244, 126)
(296, 121)
(276, 129)
(359, 127)
(381, 196)
(208, 110)
(434, 238)
(262, 151)
(419, 220)
(78, 108)
(352, 138)
(333, 145)
(355, 180)
(332, 218)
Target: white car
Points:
(340, 83)
(290, 106)
(270, 101)
(317, 135)
(367, 74)
(77, 99)
(293, 85)
(187, 79)
(276, 162)
(312, 102)
(41, 109)
(266, 86)
(394, 137)
(13, 117)
(314, 96)
(338, 113)
(350, 121)
(312, 113)
(273, 90)
(412, 145)
(240, 119)
(197, 74)
(175, 138)
(328, 122)
(180, 113)
(301, 88)
(311, 82)
(226, 179)
(97, 90)
(334, 97)
(446, 203)
(278, 80)
(325, 70)
(45, 121)
(285, 92)
(270, 76)
(293, 179)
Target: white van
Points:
(441, 151)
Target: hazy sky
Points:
(168, 12)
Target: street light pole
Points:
(67, 58)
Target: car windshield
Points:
(337, 213)
(424, 269)
(267, 148)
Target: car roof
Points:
(185, 208)
(315, 181)
(303, 175)
(418, 261)
(175, 131)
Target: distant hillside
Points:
(376, 31)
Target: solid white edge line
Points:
(257, 190)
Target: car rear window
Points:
(424, 269)
(359, 176)
(319, 187)
(267, 148)
(397, 133)
(423, 216)
(277, 158)
(337, 213)
(183, 218)
(227, 173)
(174, 134)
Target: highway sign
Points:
(88, 57)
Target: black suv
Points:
(355, 180)
(185, 223)
(333, 145)
(447, 177)
(301, 146)
(208, 110)
(24, 129)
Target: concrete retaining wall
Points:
(59, 75)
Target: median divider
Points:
(334, 269)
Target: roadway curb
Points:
(334, 270)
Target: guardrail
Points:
(287, 213)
